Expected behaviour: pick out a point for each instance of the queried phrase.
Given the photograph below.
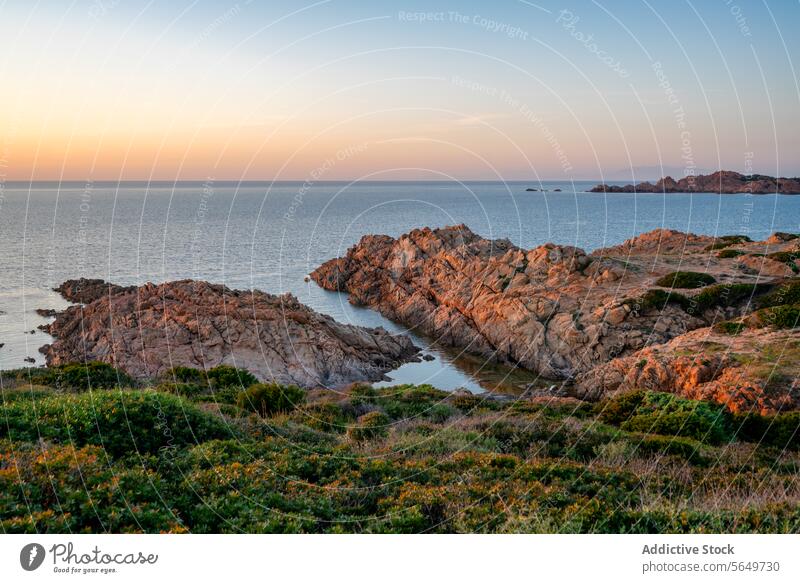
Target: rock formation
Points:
(149, 329)
(561, 312)
(85, 291)
(734, 370)
(723, 182)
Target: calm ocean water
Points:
(270, 236)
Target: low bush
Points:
(667, 414)
(25, 376)
(727, 241)
(90, 375)
(681, 447)
(330, 417)
(225, 377)
(440, 412)
(730, 253)
(24, 393)
(267, 399)
(620, 407)
(781, 430)
(780, 317)
(787, 292)
(340, 464)
(183, 389)
(372, 425)
(409, 401)
(121, 422)
(728, 294)
(657, 299)
(685, 280)
(363, 394)
(730, 327)
(465, 402)
(185, 374)
(66, 489)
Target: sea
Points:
(271, 235)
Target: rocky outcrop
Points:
(554, 309)
(149, 329)
(85, 291)
(734, 370)
(723, 182)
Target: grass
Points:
(396, 460)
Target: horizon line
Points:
(209, 180)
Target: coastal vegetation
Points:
(184, 453)
(685, 279)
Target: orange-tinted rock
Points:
(149, 329)
(734, 371)
(567, 315)
(554, 309)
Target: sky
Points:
(356, 90)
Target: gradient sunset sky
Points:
(121, 89)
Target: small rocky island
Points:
(722, 182)
(665, 311)
(149, 329)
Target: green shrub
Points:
(620, 407)
(657, 299)
(226, 377)
(24, 393)
(681, 447)
(372, 425)
(440, 412)
(26, 376)
(787, 292)
(727, 241)
(330, 417)
(84, 376)
(409, 401)
(64, 489)
(727, 294)
(780, 317)
(730, 253)
(730, 327)
(121, 422)
(466, 402)
(667, 414)
(185, 374)
(267, 399)
(183, 389)
(685, 280)
(781, 430)
(556, 409)
(361, 394)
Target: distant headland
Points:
(722, 182)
